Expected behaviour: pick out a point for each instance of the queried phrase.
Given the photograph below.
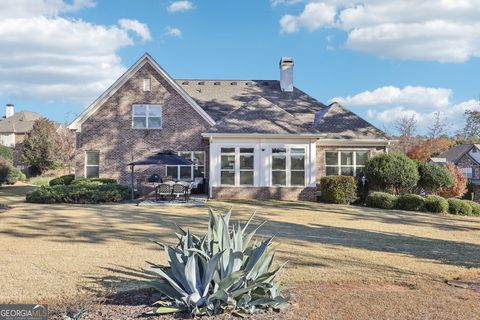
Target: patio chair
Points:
(164, 190)
(179, 190)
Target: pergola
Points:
(165, 158)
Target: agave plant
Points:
(219, 271)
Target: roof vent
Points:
(217, 83)
(286, 74)
(234, 83)
(185, 83)
(201, 83)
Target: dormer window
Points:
(146, 116)
(147, 84)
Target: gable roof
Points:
(19, 122)
(259, 116)
(455, 153)
(146, 58)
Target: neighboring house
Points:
(248, 138)
(15, 125)
(466, 157)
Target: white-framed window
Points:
(468, 172)
(92, 164)
(190, 172)
(146, 116)
(237, 166)
(288, 166)
(147, 84)
(345, 163)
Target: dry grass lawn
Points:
(345, 262)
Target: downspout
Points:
(132, 168)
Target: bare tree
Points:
(439, 126)
(65, 147)
(406, 128)
(472, 123)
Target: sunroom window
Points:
(237, 166)
(189, 172)
(288, 166)
(146, 116)
(345, 163)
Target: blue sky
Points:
(383, 60)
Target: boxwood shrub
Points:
(96, 181)
(436, 204)
(79, 194)
(475, 207)
(381, 200)
(338, 189)
(411, 202)
(457, 206)
(62, 180)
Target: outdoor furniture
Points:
(167, 178)
(179, 190)
(163, 190)
(154, 178)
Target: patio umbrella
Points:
(165, 158)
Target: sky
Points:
(383, 60)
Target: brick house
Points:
(247, 138)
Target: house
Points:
(466, 157)
(247, 138)
(15, 125)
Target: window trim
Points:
(288, 166)
(144, 84)
(192, 167)
(236, 167)
(339, 165)
(86, 165)
(147, 116)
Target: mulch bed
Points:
(135, 305)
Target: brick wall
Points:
(467, 162)
(263, 193)
(109, 130)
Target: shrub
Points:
(6, 153)
(433, 177)
(62, 180)
(457, 206)
(97, 181)
(459, 186)
(381, 200)
(4, 169)
(392, 171)
(338, 189)
(411, 202)
(436, 204)
(15, 175)
(223, 270)
(475, 207)
(79, 194)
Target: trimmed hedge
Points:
(411, 202)
(436, 204)
(475, 207)
(381, 200)
(97, 181)
(461, 207)
(338, 189)
(79, 194)
(62, 180)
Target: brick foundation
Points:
(265, 193)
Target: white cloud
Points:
(173, 32)
(180, 6)
(438, 30)
(45, 56)
(388, 104)
(314, 16)
(136, 26)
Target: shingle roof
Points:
(221, 98)
(456, 152)
(19, 122)
(259, 116)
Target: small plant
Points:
(461, 207)
(97, 181)
(338, 189)
(14, 175)
(411, 202)
(436, 204)
(220, 271)
(62, 180)
(381, 200)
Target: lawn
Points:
(345, 262)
